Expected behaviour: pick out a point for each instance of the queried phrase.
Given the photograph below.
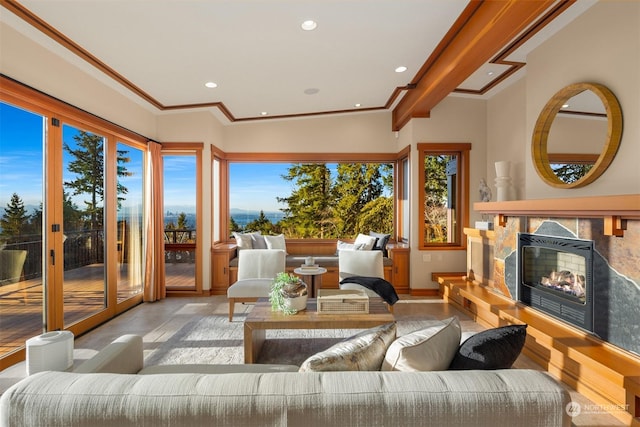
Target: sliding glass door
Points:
(72, 192)
(22, 139)
(82, 198)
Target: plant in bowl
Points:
(288, 294)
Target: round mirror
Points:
(577, 135)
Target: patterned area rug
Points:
(212, 339)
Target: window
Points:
(444, 195)
(312, 199)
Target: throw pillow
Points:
(276, 242)
(495, 348)
(344, 246)
(381, 242)
(428, 349)
(243, 240)
(367, 242)
(258, 241)
(362, 352)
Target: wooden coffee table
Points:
(262, 318)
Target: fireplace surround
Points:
(555, 275)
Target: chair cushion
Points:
(428, 349)
(362, 352)
(250, 288)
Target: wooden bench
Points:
(607, 375)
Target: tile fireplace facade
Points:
(616, 270)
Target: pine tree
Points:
(88, 166)
(262, 224)
(357, 185)
(309, 207)
(436, 192)
(14, 221)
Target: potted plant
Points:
(288, 293)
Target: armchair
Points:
(256, 270)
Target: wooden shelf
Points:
(626, 206)
(614, 210)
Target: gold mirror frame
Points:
(543, 126)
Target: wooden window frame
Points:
(462, 150)
(226, 158)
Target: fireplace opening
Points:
(554, 275)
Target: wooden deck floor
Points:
(21, 303)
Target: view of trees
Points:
(323, 206)
(436, 197)
(571, 172)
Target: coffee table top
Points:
(262, 317)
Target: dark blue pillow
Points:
(495, 348)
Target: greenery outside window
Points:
(444, 194)
(312, 200)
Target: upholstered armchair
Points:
(256, 270)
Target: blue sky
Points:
(255, 186)
(21, 154)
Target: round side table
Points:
(316, 277)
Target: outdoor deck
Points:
(21, 303)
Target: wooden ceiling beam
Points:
(482, 30)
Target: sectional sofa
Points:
(114, 389)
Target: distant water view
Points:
(242, 217)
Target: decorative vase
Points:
(288, 294)
(503, 180)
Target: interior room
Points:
(199, 101)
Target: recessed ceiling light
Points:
(490, 73)
(565, 105)
(264, 113)
(211, 85)
(311, 91)
(309, 25)
(357, 105)
(401, 69)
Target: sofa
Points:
(114, 389)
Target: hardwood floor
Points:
(21, 303)
(157, 321)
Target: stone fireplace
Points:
(555, 275)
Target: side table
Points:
(316, 277)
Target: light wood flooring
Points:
(155, 321)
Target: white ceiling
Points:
(257, 53)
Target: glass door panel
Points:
(22, 136)
(130, 206)
(84, 284)
(180, 180)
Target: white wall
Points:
(57, 75)
(603, 46)
(455, 119)
(507, 137)
(354, 133)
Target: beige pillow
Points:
(367, 242)
(276, 242)
(362, 352)
(428, 349)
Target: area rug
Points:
(213, 339)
